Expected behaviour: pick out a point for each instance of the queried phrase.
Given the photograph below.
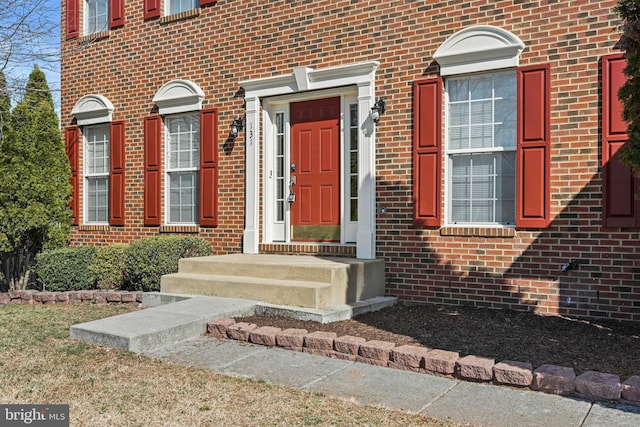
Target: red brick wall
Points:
(233, 41)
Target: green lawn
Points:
(40, 364)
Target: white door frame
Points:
(360, 77)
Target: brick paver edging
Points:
(547, 378)
(95, 296)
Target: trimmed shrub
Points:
(109, 267)
(66, 269)
(149, 258)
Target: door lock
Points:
(293, 167)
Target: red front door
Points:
(315, 151)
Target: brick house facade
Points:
(489, 179)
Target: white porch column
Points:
(366, 236)
(251, 236)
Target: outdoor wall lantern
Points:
(236, 126)
(378, 109)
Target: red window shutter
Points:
(72, 141)
(207, 2)
(116, 177)
(619, 207)
(151, 9)
(533, 198)
(116, 13)
(72, 19)
(152, 165)
(427, 137)
(209, 168)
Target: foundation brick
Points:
(513, 373)
(631, 389)
(475, 368)
(4, 298)
(240, 331)
(598, 385)
(554, 379)
(441, 361)
(410, 356)
(320, 340)
(348, 344)
(218, 327)
(264, 335)
(376, 350)
(291, 338)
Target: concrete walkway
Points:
(440, 398)
(160, 331)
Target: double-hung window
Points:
(96, 16)
(495, 143)
(183, 163)
(481, 148)
(97, 164)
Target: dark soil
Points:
(604, 346)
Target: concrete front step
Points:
(281, 267)
(303, 281)
(162, 325)
(170, 319)
(283, 292)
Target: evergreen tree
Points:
(34, 184)
(5, 107)
(629, 94)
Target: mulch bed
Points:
(603, 346)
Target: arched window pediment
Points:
(479, 48)
(178, 96)
(92, 109)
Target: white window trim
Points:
(87, 176)
(85, 26)
(178, 96)
(448, 166)
(476, 49)
(168, 171)
(92, 109)
(167, 7)
(479, 48)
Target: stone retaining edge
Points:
(596, 386)
(44, 297)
